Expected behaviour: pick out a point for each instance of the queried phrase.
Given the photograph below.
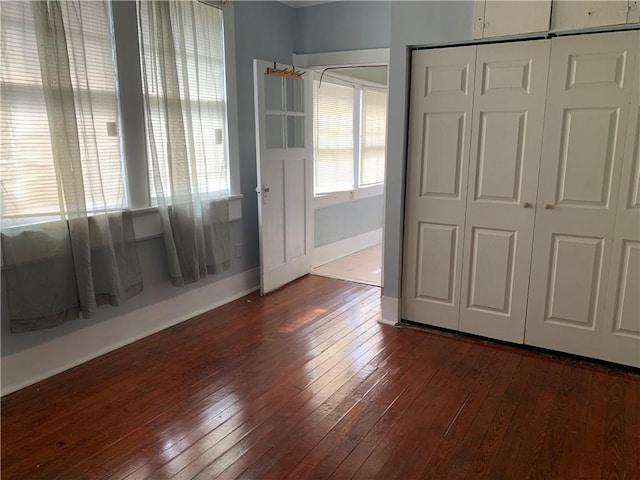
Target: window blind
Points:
(373, 137)
(27, 170)
(333, 130)
(199, 44)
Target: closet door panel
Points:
(441, 104)
(506, 142)
(590, 83)
(621, 334)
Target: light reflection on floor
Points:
(364, 266)
(301, 321)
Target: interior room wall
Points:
(29, 357)
(333, 27)
(412, 24)
(348, 219)
(343, 25)
(272, 31)
(264, 31)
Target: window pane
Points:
(273, 92)
(28, 174)
(274, 131)
(373, 137)
(199, 44)
(333, 137)
(295, 132)
(295, 94)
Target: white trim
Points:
(44, 360)
(233, 148)
(372, 56)
(342, 248)
(390, 311)
(334, 198)
(334, 76)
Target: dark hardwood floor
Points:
(305, 384)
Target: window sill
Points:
(146, 221)
(328, 199)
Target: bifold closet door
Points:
(440, 115)
(621, 334)
(506, 141)
(590, 82)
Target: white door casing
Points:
(506, 143)
(438, 152)
(621, 331)
(590, 78)
(285, 175)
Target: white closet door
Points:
(621, 335)
(441, 105)
(590, 82)
(506, 142)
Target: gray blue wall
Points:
(340, 26)
(273, 31)
(412, 24)
(333, 27)
(348, 219)
(263, 29)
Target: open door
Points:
(285, 174)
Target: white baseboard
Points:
(333, 251)
(390, 311)
(46, 359)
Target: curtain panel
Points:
(59, 269)
(184, 110)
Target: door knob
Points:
(547, 206)
(526, 204)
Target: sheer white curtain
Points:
(71, 248)
(182, 57)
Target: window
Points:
(203, 99)
(29, 186)
(333, 137)
(349, 128)
(373, 137)
(28, 176)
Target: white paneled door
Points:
(621, 331)
(590, 81)
(506, 141)
(441, 106)
(284, 169)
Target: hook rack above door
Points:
(285, 72)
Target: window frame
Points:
(358, 190)
(132, 121)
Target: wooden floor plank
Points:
(305, 383)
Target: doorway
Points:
(349, 150)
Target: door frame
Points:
(393, 311)
(373, 56)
